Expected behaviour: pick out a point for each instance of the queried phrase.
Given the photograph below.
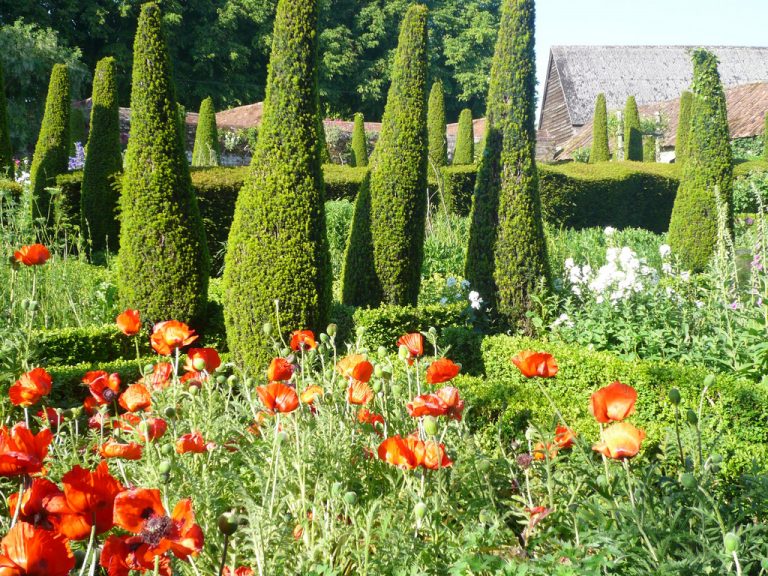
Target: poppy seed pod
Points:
(420, 510)
(227, 523)
(430, 425)
(731, 542)
(402, 351)
(350, 498)
(692, 418)
(674, 396)
(199, 364)
(267, 328)
(331, 330)
(170, 412)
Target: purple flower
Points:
(734, 305)
(756, 262)
(749, 221)
(77, 161)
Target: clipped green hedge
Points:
(342, 182)
(735, 411)
(69, 346)
(458, 187)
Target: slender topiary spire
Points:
(163, 264)
(6, 150)
(633, 136)
(51, 156)
(76, 129)
(600, 151)
(507, 254)
(206, 151)
(103, 162)
(707, 172)
(438, 144)
(322, 142)
(359, 142)
(182, 126)
(399, 169)
(683, 128)
(465, 140)
(359, 285)
(278, 249)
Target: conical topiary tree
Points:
(359, 142)
(206, 150)
(51, 156)
(359, 284)
(438, 143)
(465, 140)
(6, 150)
(163, 263)
(278, 249)
(76, 129)
(633, 136)
(507, 253)
(399, 168)
(182, 126)
(600, 151)
(103, 162)
(683, 128)
(322, 142)
(706, 185)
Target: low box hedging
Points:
(69, 346)
(735, 411)
(342, 182)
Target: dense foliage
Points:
(464, 153)
(358, 274)
(6, 151)
(633, 135)
(359, 143)
(683, 128)
(206, 150)
(438, 143)
(599, 152)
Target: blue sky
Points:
(622, 22)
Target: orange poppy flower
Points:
(193, 442)
(141, 512)
(160, 376)
(302, 340)
(355, 367)
(279, 370)
(129, 322)
(151, 429)
(310, 394)
(365, 416)
(426, 405)
(136, 397)
(414, 342)
(170, 335)
(245, 570)
(28, 550)
(542, 450)
(33, 255)
(103, 388)
(397, 451)
(620, 440)
(119, 556)
(114, 449)
(532, 363)
(442, 370)
(208, 355)
(435, 456)
(278, 397)
(564, 437)
(613, 402)
(30, 388)
(51, 417)
(22, 452)
(34, 501)
(450, 396)
(359, 393)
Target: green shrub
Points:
(633, 136)
(206, 150)
(322, 141)
(750, 192)
(69, 346)
(359, 284)
(51, 156)
(163, 264)
(683, 128)
(67, 203)
(77, 132)
(359, 142)
(600, 152)
(338, 218)
(465, 140)
(708, 170)
(342, 182)
(278, 248)
(67, 380)
(100, 196)
(649, 149)
(458, 186)
(399, 168)
(6, 150)
(438, 143)
(182, 127)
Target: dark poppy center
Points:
(108, 394)
(155, 529)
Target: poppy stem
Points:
(157, 566)
(677, 434)
(224, 554)
(88, 550)
(18, 504)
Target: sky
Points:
(628, 22)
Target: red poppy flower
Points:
(444, 402)
(151, 429)
(355, 367)
(141, 512)
(160, 377)
(442, 370)
(90, 406)
(303, 340)
(359, 393)
(532, 363)
(310, 394)
(193, 442)
(620, 440)
(613, 402)
(542, 450)
(434, 456)
(136, 397)
(277, 397)
(279, 370)
(209, 356)
(170, 335)
(365, 416)
(245, 570)
(397, 451)
(103, 388)
(129, 322)
(34, 501)
(564, 436)
(414, 342)
(30, 388)
(51, 417)
(119, 557)
(114, 449)
(31, 551)
(450, 396)
(22, 452)
(33, 255)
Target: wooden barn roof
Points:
(650, 73)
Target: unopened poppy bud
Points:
(359, 331)
(420, 510)
(382, 352)
(227, 523)
(376, 386)
(194, 390)
(164, 467)
(396, 389)
(324, 338)
(483, 465)
(331, 330)
(430, 425)
(148, 368)
(731, 542)
(350, 498)
(674, 396)
(693, 420)
(688, 481)
(403, 352)
(432, 331)
(167, 449)
(267, 329)
(170, 412)
(336, 488)
(282, 437)
(199, 364)
(378, 371)
(232, 379)
(709, 380)
(221, 379)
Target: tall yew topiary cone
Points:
(438, 144)
(399, 168)
(683, 128)
(278, 249)
(51, 156)
(600, 151)
(465, 140)
(707, 172)
(206, 150)
(359, 284)
(103, 162)
(633, 136)
(359, 142)
(6, 150)
(322, 142)
(163, 263)
(507, 253)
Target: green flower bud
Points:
(483, 466)
(198, 364)
(267, 328)
(688, 481)
(324, 338)
(420, 510)
(376, 387)
(170, 412)
(164, 467)
(731, 542)
(378, 371)
(350, 498)
(359, 331)
(232, 379)
(403, 352)
(227, 523)
(709, 380)
(282, 437)
(194, 390)
(674, 396)
(250, 382)
(382, 352)
(166, 449)
(331, 330)
(336, 488)
(430, 425)
(221, 379)
(148, 369)
(692, 418)
(432, 331)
